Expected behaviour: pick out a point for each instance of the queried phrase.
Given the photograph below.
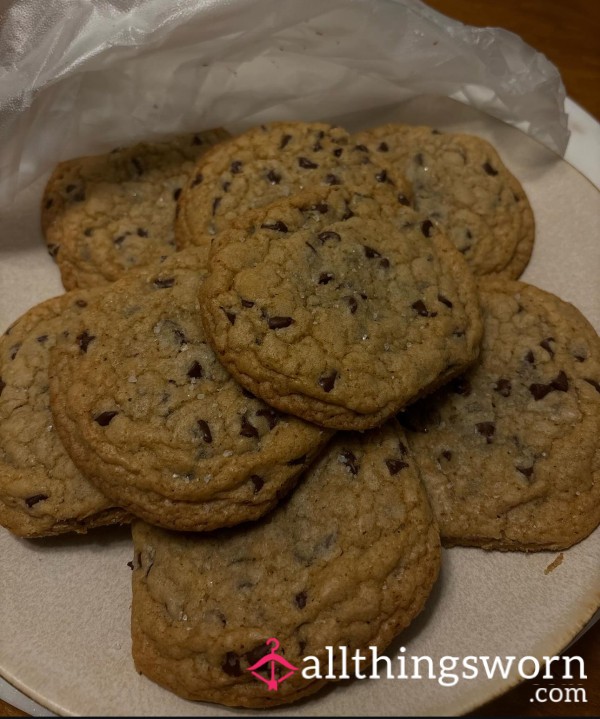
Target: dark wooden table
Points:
(568, 33)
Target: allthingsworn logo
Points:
(274, 661)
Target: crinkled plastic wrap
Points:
(81, 77)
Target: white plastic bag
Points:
(82, 77)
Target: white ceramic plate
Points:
(65, 602)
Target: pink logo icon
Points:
(274, 660)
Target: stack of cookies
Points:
(295, 360)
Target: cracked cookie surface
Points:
(105, 214)
(41, 491)
(509, 452)
(460, 183)
(349, 559)
(269, 162)
(149, 414)
(334, 316)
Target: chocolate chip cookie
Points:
(41, 491)
(105, 214)
(348, 560)
(462, 185)
(147, 412)
(269, 162)
(334, 316)
(510, 451)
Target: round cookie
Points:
(155, 421)
(460, 182)
(509, 452)
(41, 491)
(334, 316)
(105, 214)
(270, 162)
(349, 560)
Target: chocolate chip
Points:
(421, 309)
(445, 301)
(426, 227)
(205, 432)
(461, 385)
(215, 205)
(487, 430)
(527, 471)
(326, 382)
(130, 565)
(195, 371)
(348, 459)
(248, 429)
(53, 249)
(297, 461)
(69, 188)
(278, 323)
(348, 212)
(30, 501)
(560, 383)
(384, 263)
(42, 339)
(382, 176)
(325, 277)
(236, 167)
(105, 418)
(352, 304)
(225, 186)
(197, 140)
(383, 147)
(258, 482)
(307, 164)
(504, 387)
(2, 385)
(273, 177)
(321, 207)
(328, 235)
(84, 339)
(370, 252)
(231, 665)
(138, 165)
(338, 151)
(489, 169)
(419, 159)
(595, 385)
(230, 316)
(395, 465)
(118, 241)
(163, 283)
(142, 232)
(332, 180)
(176, 193)
(530, 357)
(546, 345)
(403, 199)
(317, 146)
(278, 225)
(300, 600)
(284, 141)
(197, 180)
(247, 303)
(447, 454)
(49, 203)
(270, 415)
(88, 232)
(256, 654)
(580, 358)
(247, 393)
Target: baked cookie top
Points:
(148, 413)
(348, 560)
(509, 452)
(462, 185)
(334, 316)
(269, 162)
(41, 491)
(105, 214)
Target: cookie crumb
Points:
(554, 564)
